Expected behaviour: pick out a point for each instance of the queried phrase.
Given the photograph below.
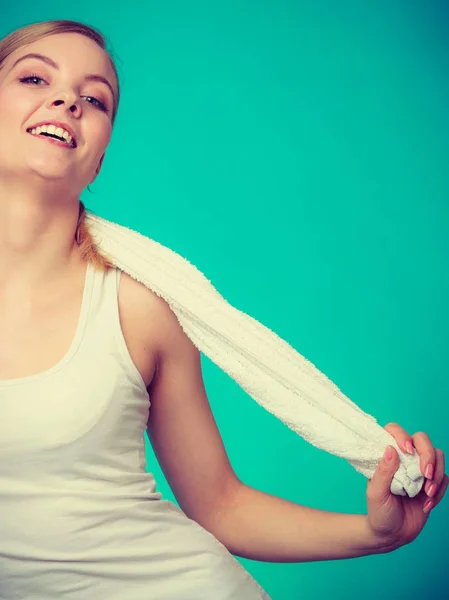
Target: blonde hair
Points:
(32, 33)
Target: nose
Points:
(73, 106)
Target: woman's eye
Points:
(29, 78)
(98, 103)
(90, 99)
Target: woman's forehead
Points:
(71, 49)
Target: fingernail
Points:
(429, 471)
(428, 504)
(432, 489)
(409, 447)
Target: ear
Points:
(97, 170)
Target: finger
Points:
(403, 439)
(430, 503)
(380, 483)
(426, 452)
(440, 466)
(442, 490)
(432, 486)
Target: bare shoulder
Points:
(151, 328)
(151, 311)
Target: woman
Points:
(84, 346)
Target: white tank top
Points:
(80, 517)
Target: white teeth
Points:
(59, 131)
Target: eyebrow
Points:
(51, 62)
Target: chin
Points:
(45, 169)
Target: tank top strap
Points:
(103, 300)
(104, 332)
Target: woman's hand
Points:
(397, 520)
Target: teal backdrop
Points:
(297, 153)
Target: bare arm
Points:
(182, 428)
(191, 453)
(263, 527)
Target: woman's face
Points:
(58, 87)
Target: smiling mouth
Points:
(55, 137)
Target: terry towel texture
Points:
(272, 372)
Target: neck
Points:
(37, 235)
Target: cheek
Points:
(97, 135)
(100, 133)
(14, 109)
(14, 112)
(106, 137)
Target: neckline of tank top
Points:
(76, 340)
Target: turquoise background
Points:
(297, 153)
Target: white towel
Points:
(263, 364)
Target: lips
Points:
(52, 140)
(56, 124)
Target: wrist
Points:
(376, 542)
